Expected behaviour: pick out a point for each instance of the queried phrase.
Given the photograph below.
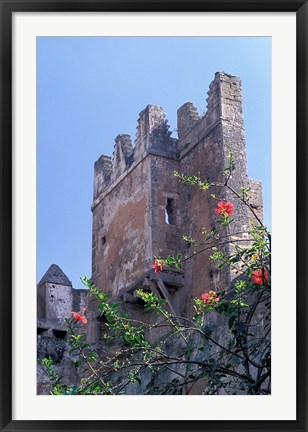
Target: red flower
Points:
(224, 208)
(259, 276)
(157, 266)
(210, 298)
(80, 317)
(205, 297)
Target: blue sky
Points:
(91, 89)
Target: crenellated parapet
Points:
(152, 136)
(153, 132)
(224, 104)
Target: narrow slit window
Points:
(169, 212)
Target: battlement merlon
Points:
(187, 118)
(225, 98)
(123, 155)
(102, 173)
(153, 132)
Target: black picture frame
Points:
(7, 8)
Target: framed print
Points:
(180, 229)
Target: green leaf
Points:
(139, 338)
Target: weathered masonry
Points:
(140, 210)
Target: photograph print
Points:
(154, 216)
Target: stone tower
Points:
(140, 209)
